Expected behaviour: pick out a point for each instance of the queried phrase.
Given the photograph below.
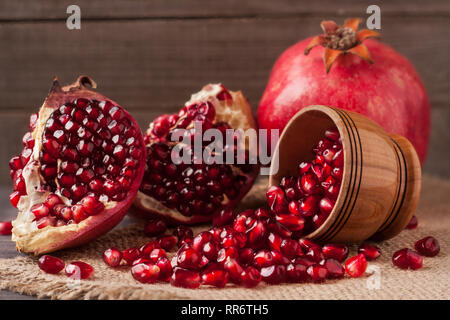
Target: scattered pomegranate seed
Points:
(428, 246)
(5, 228)
(369, 251)
(155, 228)
(51, 264)
(406, 258)
(185, 278)
(129, 255)
(216, 278)
(79, 270)
(412, 224)
(317, 272)
(112, 257)
(335, 251)
(168, 242)
(335, 269)
(356, 266)
(145, 273)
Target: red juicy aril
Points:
(81, 166)
(303, 203)
(186, 193)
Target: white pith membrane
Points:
(236, 113)
(26, 234)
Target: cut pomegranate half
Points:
(81, 166)
(191, 189)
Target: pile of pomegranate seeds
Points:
(303, 203)
(75, 270)
(90, 153)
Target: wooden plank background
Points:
(151, 55)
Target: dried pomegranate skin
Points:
(76, 151)
(190, 193)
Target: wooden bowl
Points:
(381, 180)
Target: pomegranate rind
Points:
(28, 238)
(239, 115)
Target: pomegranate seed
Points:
(274, 241)
(274, 195)
(156, 254)
(79, 270)
(305, 261)
(332, 134)
(188, 258)
(78, 213)
(182, 232)
(45, 222)
(326, 205)
(412, 223)
(250, 277)
(226, 253)
(112, 257)
(129, 255)
(291, 222)
(52, 200)
(356, 265)
(91, 205)
(168, 242)
(141, 260)
(263, 258)
(369, 251)
(155, 227)
(317, 272)
(210, 250)
(428, 246)
(223, 217)
(14, 198)
(406, 258)
(40, 211)
(199, 240)
(145, 273)
(307, 244)
(50, 264)
(234, 269)
(185, 278)
(335, 269)
(338, 252)
(147, 248)
(165, 268)
(5, 228)
(216, 278)
(296, 273)
(246, 256)
(274, 274)
(290, 248)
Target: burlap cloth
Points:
(21, 274)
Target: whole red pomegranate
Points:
(81, 166)
(193, 190)
(349, 72)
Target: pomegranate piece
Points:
(317, 272)
(82, 171)
(356, 265)
(187, 189)
(155, 228)
(371, 252)
(412, 224)
(250, 277)
(338, 252)
(407, 259)
(112, 257)
(145, 273)
(185, 278)
(5, 228)
(428, 246)
(50, 264)
(216, 278)
(129, 255)
(79, 270)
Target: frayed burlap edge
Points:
(382, 281)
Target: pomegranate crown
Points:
(341, 40)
